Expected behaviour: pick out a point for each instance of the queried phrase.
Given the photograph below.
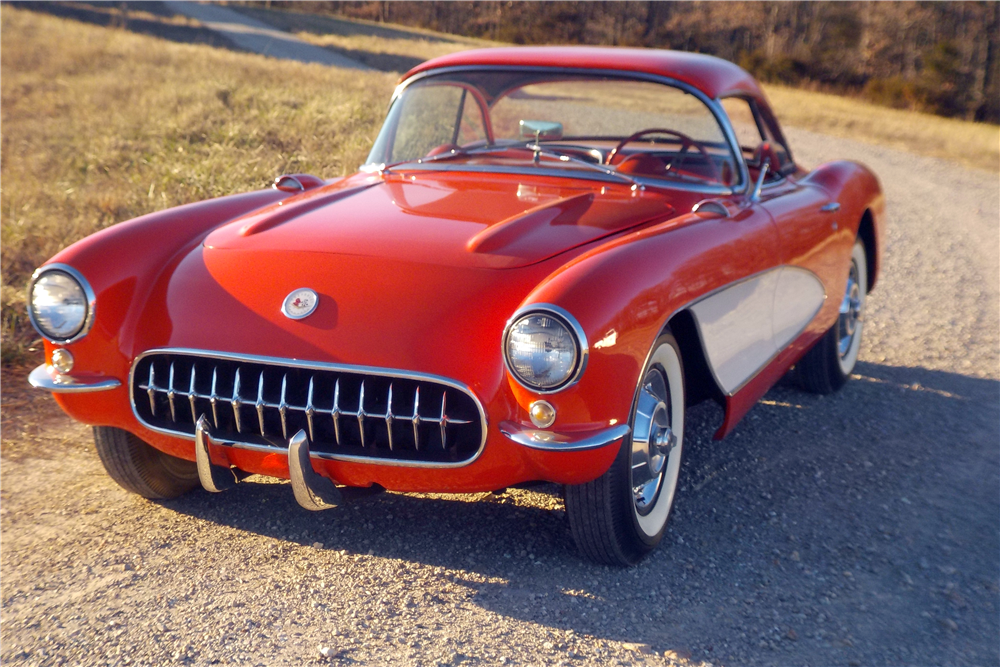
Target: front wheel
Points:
(621, 516)
(827, 366)
(141, 468)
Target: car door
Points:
(806, 225)
(805, 219)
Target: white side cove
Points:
(745, 325)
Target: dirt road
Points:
(257, 37)
(857, 529)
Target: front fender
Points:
(123, 262)
(624, 293)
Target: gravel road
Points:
(856, 529)
(256, 37)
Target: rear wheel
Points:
(827, 366)
(621, 516)
(141, 468)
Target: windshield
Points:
(615, 126)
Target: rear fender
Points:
(859, 194)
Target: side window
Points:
(752, 134)
(744, 123)
(428, 118)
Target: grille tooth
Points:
(361, 413)
(336, 410)
(214, 397)
(171, 393)
(416, 419)
(388, 416)
(151, 389)
(444, 421)
(283, 407)
(260, 403)
(236, 401)
(191, 398)
(294, 395)
(310, 410)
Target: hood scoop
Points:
(566, 222)
(448, 220)
(283, 211)
(563, 211)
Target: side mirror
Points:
(540, 130)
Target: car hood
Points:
(414, 274)
(447, 219)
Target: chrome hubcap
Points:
(652, 441)
(850, 313)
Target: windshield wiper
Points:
(463, 152)
(564, 156)
(450, 155)
(538, 151)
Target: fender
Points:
(858, 190)
(862, 207)
(653, 274)
(124, 261)
(662, 270)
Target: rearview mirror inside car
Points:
(540, 130)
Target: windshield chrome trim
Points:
(587, 175)
(714, 106)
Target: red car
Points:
(549, 253)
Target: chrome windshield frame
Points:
(714, 106)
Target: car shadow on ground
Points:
(156, 19)
(902, 461)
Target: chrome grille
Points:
(347, 411)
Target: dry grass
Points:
(972, 144)
(112, 125)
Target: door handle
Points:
(832, 207)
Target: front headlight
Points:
(545, 348)
(60, 303)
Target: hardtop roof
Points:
(712, 76)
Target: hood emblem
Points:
(300, 303)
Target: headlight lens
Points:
(542, 351)
(58, 304)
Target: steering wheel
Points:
(686, 143)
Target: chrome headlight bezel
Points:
(563, 317)
(89, 297)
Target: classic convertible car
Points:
(549, 253)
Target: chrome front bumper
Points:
(47, 378)
(563, 442)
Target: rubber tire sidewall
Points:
(664, 503)
(601, 512)
(846, 365)
(139, 467)
(821, 370)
